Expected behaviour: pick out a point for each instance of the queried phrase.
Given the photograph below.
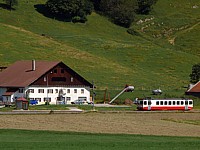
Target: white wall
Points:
(81, 92)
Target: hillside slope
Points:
(104, 52)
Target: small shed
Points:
(22, 103)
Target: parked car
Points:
(79, 102)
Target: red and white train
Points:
(164, 104)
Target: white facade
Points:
(54, 95)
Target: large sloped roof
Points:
(195, 88)
(20, 74)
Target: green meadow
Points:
(160, 56)
(24, 139)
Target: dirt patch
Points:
(127, 123)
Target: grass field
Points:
(22, 139)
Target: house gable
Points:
(61, 75)
(195, 88)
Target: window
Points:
(174, 102)
(149, 102)
(72, 79)
(40, 90)
(145, 102)
(161, 102)
(165, 102)
(75, 90)
(56, 90)
(140, 102)
(178, 102)
(62, 71)
(38, 99)
(182, 103)
(186, 102)
(58, 79)
(47, 99)
(55, 71)
(157, 102)
(190, 102)
(21, 90)
(49, 90)
(170, 103)
(31, 91)
(68, 90)
(82, 91)
(68, 98)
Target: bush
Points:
(132, 31)
(70, 10)
(47, 103)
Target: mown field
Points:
(143, 123)
(35, 140)
(109, 55)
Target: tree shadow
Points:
(40, 8)
(4, 6)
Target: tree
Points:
(195, 75)
(121, 12)
(70, 10)
(145, 6)
(11, 3)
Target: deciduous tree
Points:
(195, 75)
(11, 3)
(145, 6)
(71, 10)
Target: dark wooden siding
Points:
(196, 94)
(61, 75)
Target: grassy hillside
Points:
(161, 56)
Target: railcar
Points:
(164, 104)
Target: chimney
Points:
(33, 65)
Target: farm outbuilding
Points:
(21, 103)
(194, 89)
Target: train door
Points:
(186, 104)
(149, 104)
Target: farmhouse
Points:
(194, 89)
(44, 81)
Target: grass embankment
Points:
(22, 139)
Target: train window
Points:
(190, 102)
(165, 102)
(161, 102)
(145, 102)
(182, 103)
(149, 102)
(186, 102)
(157, 102)
(174, 102)
(178, 102)
(170, 102)
(141, 102)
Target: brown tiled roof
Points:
(195, 88)
(20, 74)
